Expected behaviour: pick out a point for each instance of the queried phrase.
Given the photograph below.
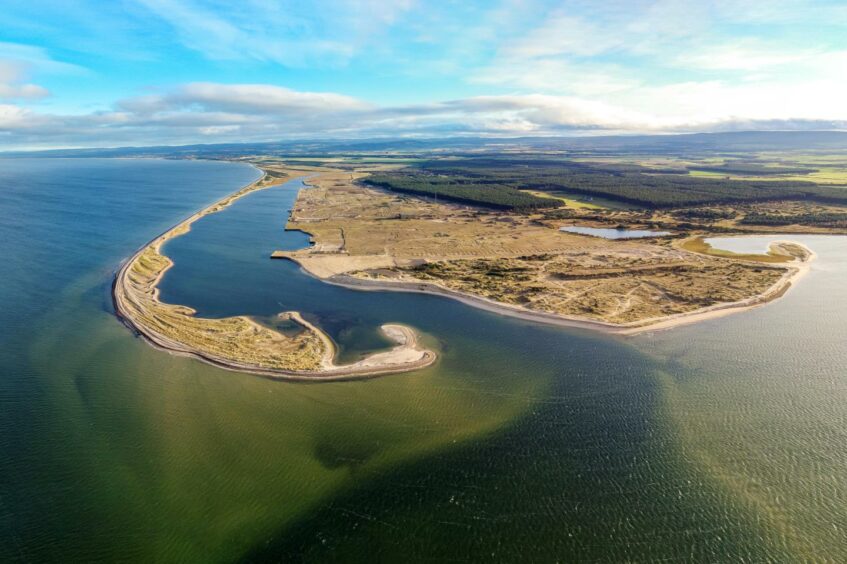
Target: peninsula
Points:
(517, 252)
(521, 263)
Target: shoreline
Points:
(335, 265)
(794, 272)
(406, 356)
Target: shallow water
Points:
(714, 442)
(748, 244)
(607, 233)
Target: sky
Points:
(166, 72)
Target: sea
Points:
(721, 441)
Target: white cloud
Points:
(789, 12)
(746, 55)
(669, 65)
(22, 91)
(18, 62)
(715, 101)
(12, 118)
(546, 113)
(562, 35)
(557, 76)
(12, 85)
(264, 98)
(37, 59)
(255, 112)
(243, 98)
(289, 33)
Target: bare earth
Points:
(522, 265)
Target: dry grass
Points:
(236, 339)
(510, 258)
(569, 202)
(239, 342)
(699, 245)
(618, 289)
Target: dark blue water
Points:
(718, 442)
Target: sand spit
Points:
(239, 343)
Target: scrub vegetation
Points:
(826, 219)
(238, 339)
(518, 259)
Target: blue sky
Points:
(139, 72)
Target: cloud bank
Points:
(210, 112)
(146, 72)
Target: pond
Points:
(608, 233)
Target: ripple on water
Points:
(721, 441)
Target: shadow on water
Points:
(352, 317)
(759, 403)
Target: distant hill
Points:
(729, 141)
(696, 142)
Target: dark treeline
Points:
(489, 195)
(705, 213)
(752, 169)
(471, 165)
(824, 219)
(615, 182)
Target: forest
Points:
(827, 219)
(753, 169)
(497, 182)
(483, 194)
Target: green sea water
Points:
(722, 441)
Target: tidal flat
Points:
(717, 441)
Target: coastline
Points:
(794, 271)
(136, 303)
(131, 299)
(352, 253)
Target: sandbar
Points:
(240, 343)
